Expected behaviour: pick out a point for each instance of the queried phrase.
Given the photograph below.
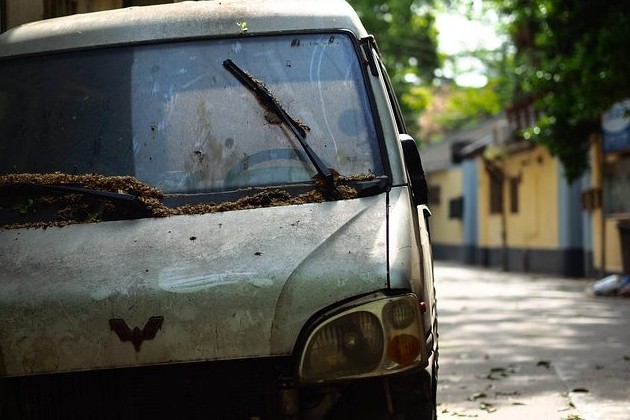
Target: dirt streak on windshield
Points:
(75, 208)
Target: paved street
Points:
(516, 346)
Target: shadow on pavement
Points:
(517, 346)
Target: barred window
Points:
(514, 203)
(496, 194)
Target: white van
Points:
(210, 210)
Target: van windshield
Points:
(171, 116)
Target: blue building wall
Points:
(570, 224)
(470, 183)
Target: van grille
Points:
(219, 390)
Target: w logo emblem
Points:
(136, 336)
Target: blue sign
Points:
(616, 127)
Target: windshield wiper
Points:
(267, 99)
(131, 200)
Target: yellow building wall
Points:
(535, 224)
(444, 230)
(612, 247)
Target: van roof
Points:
(183, 20)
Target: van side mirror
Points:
(419, 189)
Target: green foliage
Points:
(406, 36)
(572, 55)
(405, 33)
(456, 106)
(466, 106)
(416, 98)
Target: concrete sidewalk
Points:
(519, 346)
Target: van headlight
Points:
(379, 337)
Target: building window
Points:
(496, 194)
(434, 195)
(456, 208)
(591, 199)
(522, 115)
(514, 183)
(617, 184)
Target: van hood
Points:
(204, 287)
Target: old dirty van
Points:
(210, 210)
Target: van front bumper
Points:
(238, 389)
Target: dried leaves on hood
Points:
(74, 208)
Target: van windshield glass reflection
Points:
(171, 116)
